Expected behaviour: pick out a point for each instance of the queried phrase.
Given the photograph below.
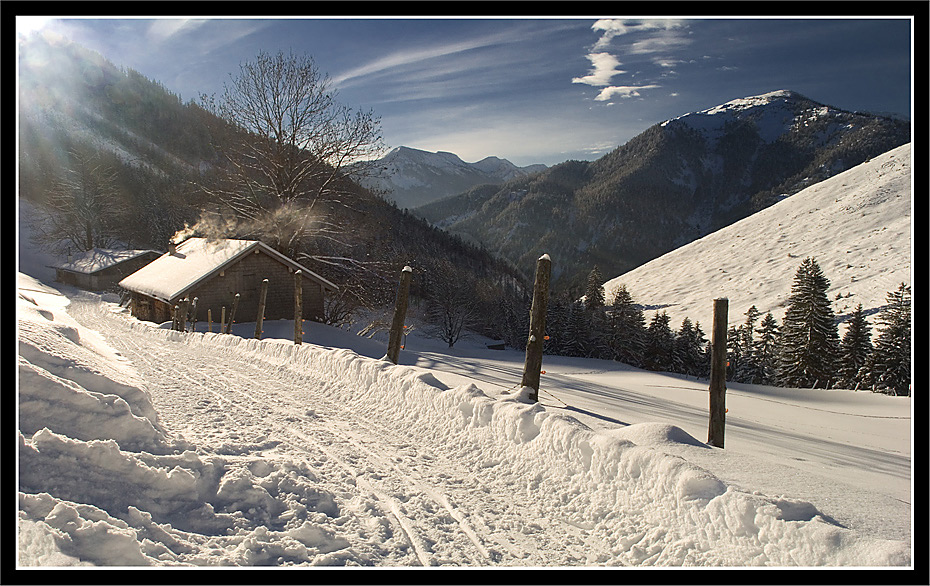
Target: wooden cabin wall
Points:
(245, 277)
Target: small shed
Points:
(101, 269)
(214, 271)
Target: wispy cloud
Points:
(623, 91)
(659, 44)
(613, 28)
(163, 29)
(605, 67)
(407, 58)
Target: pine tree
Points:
(557, 318)
(703, 351)
(890, 368)
(734, 352)
(594, 292)
(855, 350)
(765, 350)
(809, 340)
(627, 329)
(577, 331)
(747, 369)
(688, 349)
(659, 342)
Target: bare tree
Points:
(452, 302)
(85, 206)
(289, 149)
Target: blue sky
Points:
(529, 90)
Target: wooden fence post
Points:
(194, 315)
(298, 307)
(232, 313)
(718, 375)
(222, 319)
(400, 314)
(259, 319)
(532, 367)
(209, 320)
(182, 316)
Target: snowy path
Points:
(438, 510)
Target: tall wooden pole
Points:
(260, 318)
(718, 375)
(400, 314)
(298, 307)
(534, 344)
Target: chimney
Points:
(172, 248)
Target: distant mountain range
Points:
(677, 181)
(412, 177)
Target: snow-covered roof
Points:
(197, 259)
(98, 259)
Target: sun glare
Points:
(30, 24)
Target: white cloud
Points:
(623, 91)
(605, 67)
(612, 28)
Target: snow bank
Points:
(102, 483)
(72, 381)
(651, 507)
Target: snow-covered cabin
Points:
(214, 271)
(100, 269)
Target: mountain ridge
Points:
(413, 177)
(677, 181)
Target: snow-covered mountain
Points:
(679, 180)
(856, 225)
(413, 177)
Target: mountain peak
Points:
(774, 114)
(416, 177)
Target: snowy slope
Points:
(857, 225)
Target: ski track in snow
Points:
(414, 492)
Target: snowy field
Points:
(144, 446)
